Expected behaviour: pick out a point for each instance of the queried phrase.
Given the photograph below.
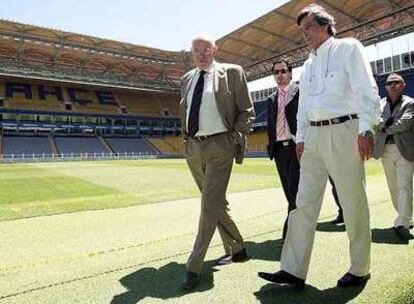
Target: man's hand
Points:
(365, 146)
(299, 150)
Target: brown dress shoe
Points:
(283, 277)
(238, 257)
(350, 280)
(191, 280)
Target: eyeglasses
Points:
(282, 71)
(201, 51)
(394, 82)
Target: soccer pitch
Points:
(51, 188)
(138, 225)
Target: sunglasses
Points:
(395, 82)
(282, 71)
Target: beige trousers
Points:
(329, 150)
(210, 162)
(399, 174)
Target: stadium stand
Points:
(163, 145)
(257, 141)
(17, 145)
(79, 145)
(140, 103)
(131, 145)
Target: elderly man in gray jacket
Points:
(394, 144)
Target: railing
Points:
(253, 151)
(38, 157)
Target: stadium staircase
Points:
(52, 144)
(106, 144)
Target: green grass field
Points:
(51, 188)
(110, 254)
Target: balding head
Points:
(203, 49)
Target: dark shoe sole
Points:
(270, 277)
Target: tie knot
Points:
(202, 73)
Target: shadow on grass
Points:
(268, 250)
(329, 227)
(272, 293)
(387, 236)
(163, 283)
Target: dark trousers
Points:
(288, 168)
(335, 195)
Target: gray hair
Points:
(320, 15)
(204, 37)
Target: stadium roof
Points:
(276, 34)
(36, 52)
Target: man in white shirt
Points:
(338, 109)
(216, 114)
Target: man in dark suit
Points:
(282, 107)
(394, 144)
(216, 114)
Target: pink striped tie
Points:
(281, 118)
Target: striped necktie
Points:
(193, 118)
(281, 117)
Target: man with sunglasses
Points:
(282, 108)
(394, 144)
(338, 109)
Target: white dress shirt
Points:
(209, 117)
(337, 80)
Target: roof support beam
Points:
(354, 20)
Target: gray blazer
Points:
(232, 99)
(402, 128)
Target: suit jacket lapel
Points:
(187, 83)
(292, 92)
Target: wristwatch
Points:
(366, 133)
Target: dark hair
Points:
(289, 66)
(320, 15)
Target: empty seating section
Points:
(176, 142)
(163, 146)
(13, 145)
(140, 103)
(20, 101)
(131, 145)
(79, 145)
(55, 97)
(88, 102)
(257, 141)
(169, 103)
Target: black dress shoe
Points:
(238, 257)
(339, 221)
(191, 280)
(402, 232)
(350, 280)
(283, 277)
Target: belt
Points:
(333, 121)
(204, 137)
(284, 143)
